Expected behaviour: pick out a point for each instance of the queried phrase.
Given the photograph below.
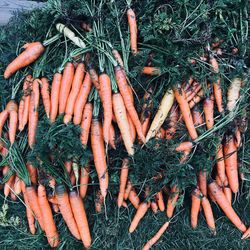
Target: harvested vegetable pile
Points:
(124, 125)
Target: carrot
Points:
(231, 164)
(52, 199)
(68, 166)
(49, 224)
(128, 101)
(202, 181)
(124, 204)
(20, 113)
(66, 211)
(32, 173)
(160, 201)
(84, 180)
(99, 202)
(246, 235)
(133, 198)
(156, 237)
(153, 71)
(163, 110)
(193, 91)
(76, 86)
(66, 83)
(132, 129)
(233, 93)
(13, 126)
(195, 208)
(3, 117)
(55, 92)
(8, 184)
(123, 181)
(133, 30)
(118, 57)
(220, 163)
(112, 136)
(34, 205)
(172, 122)
(31, 53)
(80, 216)
(208, 213)
(184, 146)
(97, 145)
(197, 116)
(218, 95)
(214, 65)
(82, 99)
(45, 93)
(33, 112)
(122, 121)
(17, 185)
(185, 110)
(222, 201)
(127, 190)
(154, 206)
(237, 137)
(208, 107)
(196, 99)
(228, 193)
(94, 79)
(106, 94)
(141, 211)
(174, 195)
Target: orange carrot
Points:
(66, 211)
(246, 235)
(208, 107)
(220, 163)
(218, 95)
(202, 181)
(33, 112)
(196, 99)
(133, 198)
(151, 71)
(124, 89)
(76, 86)
(31, 53)
(112, 136)
(141, 211)
(174, 195)
(214, 64)
(13, 126)
(172, 122)
(184, 146)
(133, 30)
(17, 185)
(154, 206)
(222, 201)
(49, 224)
(122, 121)
(197, 116)
(123, 181)
(132, 129)
(86, 123)
(32, 173)
(156, 237)
(8, 185)
(55, 93)
(160, 201)
(185, 110)
(228, 193)
(45, 93)
(195, 208)
(106, 94)
(193, 91)
(20, 113)
(117, 57)
(66, 83)
(94, 78)
(84, 180)
(231, 164)
(97, 145)
(3, 117)
(128, 189)
(208, 213)
(80, 216)
(82, 99)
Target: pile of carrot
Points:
(74, 94)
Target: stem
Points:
(51, 40)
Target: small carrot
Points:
(214, 64)
(31, 53)
(218, 95)
(208, 214)
(123, 181)
(185, 110)
(86, 123)
(151, 71)
(76, 86)
(190, 94)
(141, 211)
(82, 99)
(197, 116)
(220, 163)
(208, 107)
(3, 117)
(195, 208)
(99, 202)
(65, 86)
(172, 122)
(98, 149)
(17, 185)
(32, 173)
(184, 146)
(8, 185)
(133, 198)
(127, 190)
(202, 181)
(154, 206)
(118, 57)
(196, 99)
(160, 201)
(112, 136)
(246, 235)
(20, 113)
(133, 30)
(222, 201)
(45, 93)
(84, 180)
(228, 193)
(55, 93)
(174, 195)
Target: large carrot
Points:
(29, 55)
(122, 121)
(123, 181)
(33, 112)
(128, 101)
(82, 99)
(49, 224)
(106, 94)
(84, 180)
(208, 107)
(45, 93)
(172, 200)
(55, 92)
(66, 211)
(76, 86)
(141, 211)
(185, 110)
(86, 123)
(231, 164)
(80, 218)
(3, 117)
(172, 122)
(66, 83)
(208, 213)
(160, 201)
(133, 30)
(222, 201)
(156, 237)
(220, 163)
(97, 145)
(195, 207)
(218, 95)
